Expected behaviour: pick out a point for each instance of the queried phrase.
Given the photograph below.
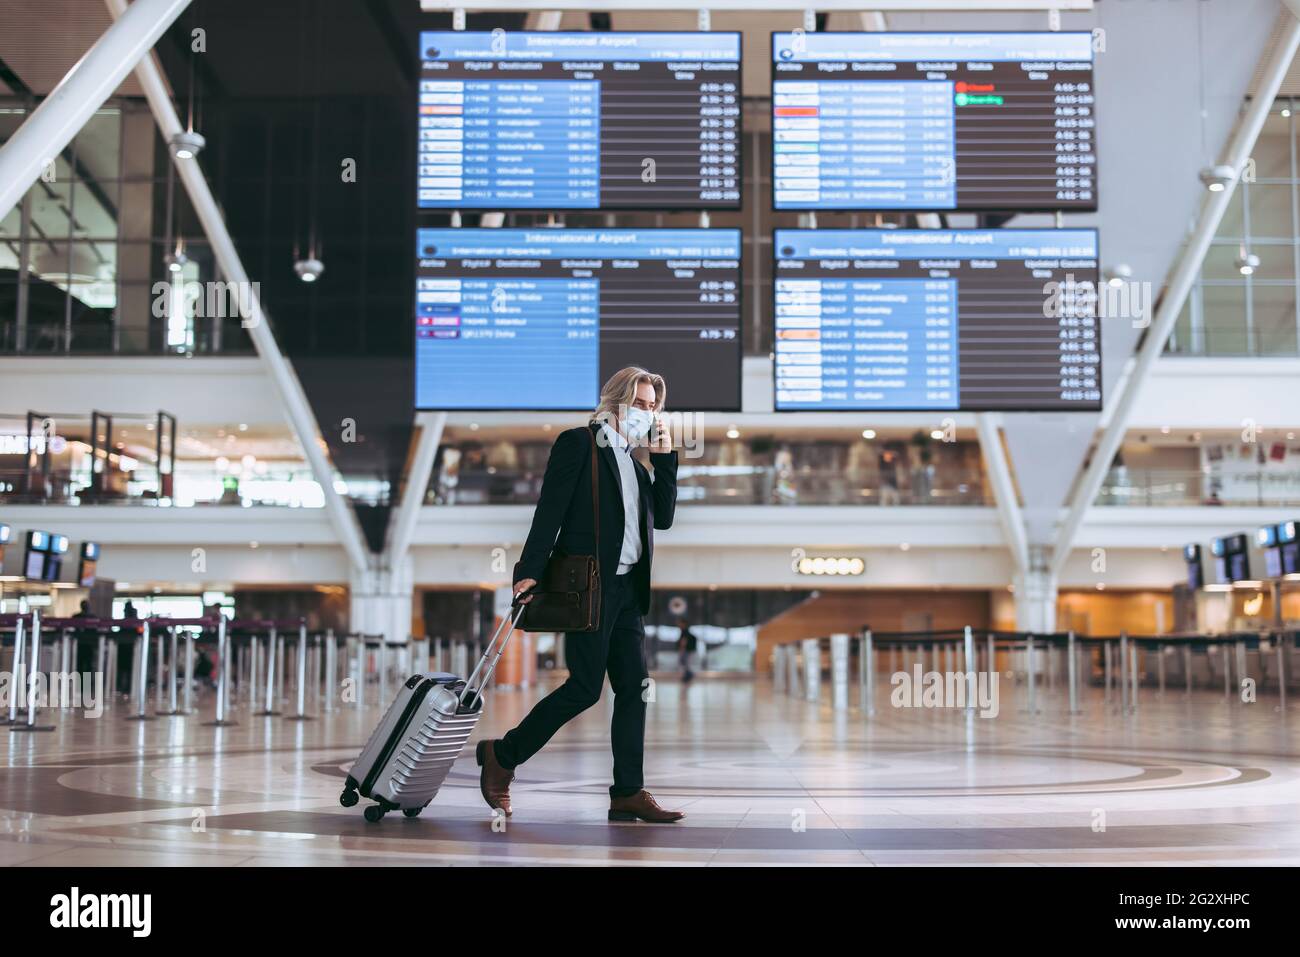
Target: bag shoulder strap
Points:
(595, 496)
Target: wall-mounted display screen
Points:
(89, 563)
(917, 319)
(933, 121)
(566, 121)
(537, 319)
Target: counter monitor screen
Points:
(568, 121)
(920, 319)
(933, 121)
(519, 319)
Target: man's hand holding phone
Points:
(660, 439)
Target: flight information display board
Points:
(918, 319)
(567, 121)
(933, 121)
(533, 319)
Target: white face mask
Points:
(637, 424)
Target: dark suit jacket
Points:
(563, 519)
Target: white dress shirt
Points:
(631, 551)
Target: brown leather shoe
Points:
(641, 806)
(494, 781)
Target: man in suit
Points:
(632, 503)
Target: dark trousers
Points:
(617, 648)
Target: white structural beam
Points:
(301, 417)
(79, 94)
(1004, 489)
(430, 425)
(768, 6)
(1186, 269)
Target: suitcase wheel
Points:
(374, 813)
(412, 811)
(348, 798)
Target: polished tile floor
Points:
(764, 779)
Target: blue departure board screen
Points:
(933, 121)
(538, 319)
(944, 319)
(568, 121)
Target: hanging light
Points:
(187, 144)
(1217, 178)
(176, 260)
(309, 269)
(1247, 262)
(1119, 274)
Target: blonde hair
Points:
(620, 391)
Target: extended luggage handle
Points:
(472, 691)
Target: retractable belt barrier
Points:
(1042, 661)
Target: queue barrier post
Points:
(272, 666)
(316, 648)
(362, 667)
(867, 668)
(1133, 676)
(33, 679)
(187, 689)
(1072, 671)
(277, 642)
(141, 683)
(111, 667)
(1123, 673)
(840, 672)
(812, 669)
(66, 663)
(1031, 704)
(1160, 667)
(223, 677)
(1242, 672)
(300, 679)
(159, 673)
(101, 660)
(16, 670)
(254, 672)
(1279, 642)
(778, 669)
(968, 652)
(331, 670)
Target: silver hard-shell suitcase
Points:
(420, 737)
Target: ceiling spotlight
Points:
(1247, 263)
(1217, 178)
(1286, 112)
(733, 433)
(187, 145)
(176, 261)
(868, 433)
(1119, 274)
(309, 270)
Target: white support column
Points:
(1188, 267)
(382, 601)
(301, 417)
(1036, 593)
(79, 94)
